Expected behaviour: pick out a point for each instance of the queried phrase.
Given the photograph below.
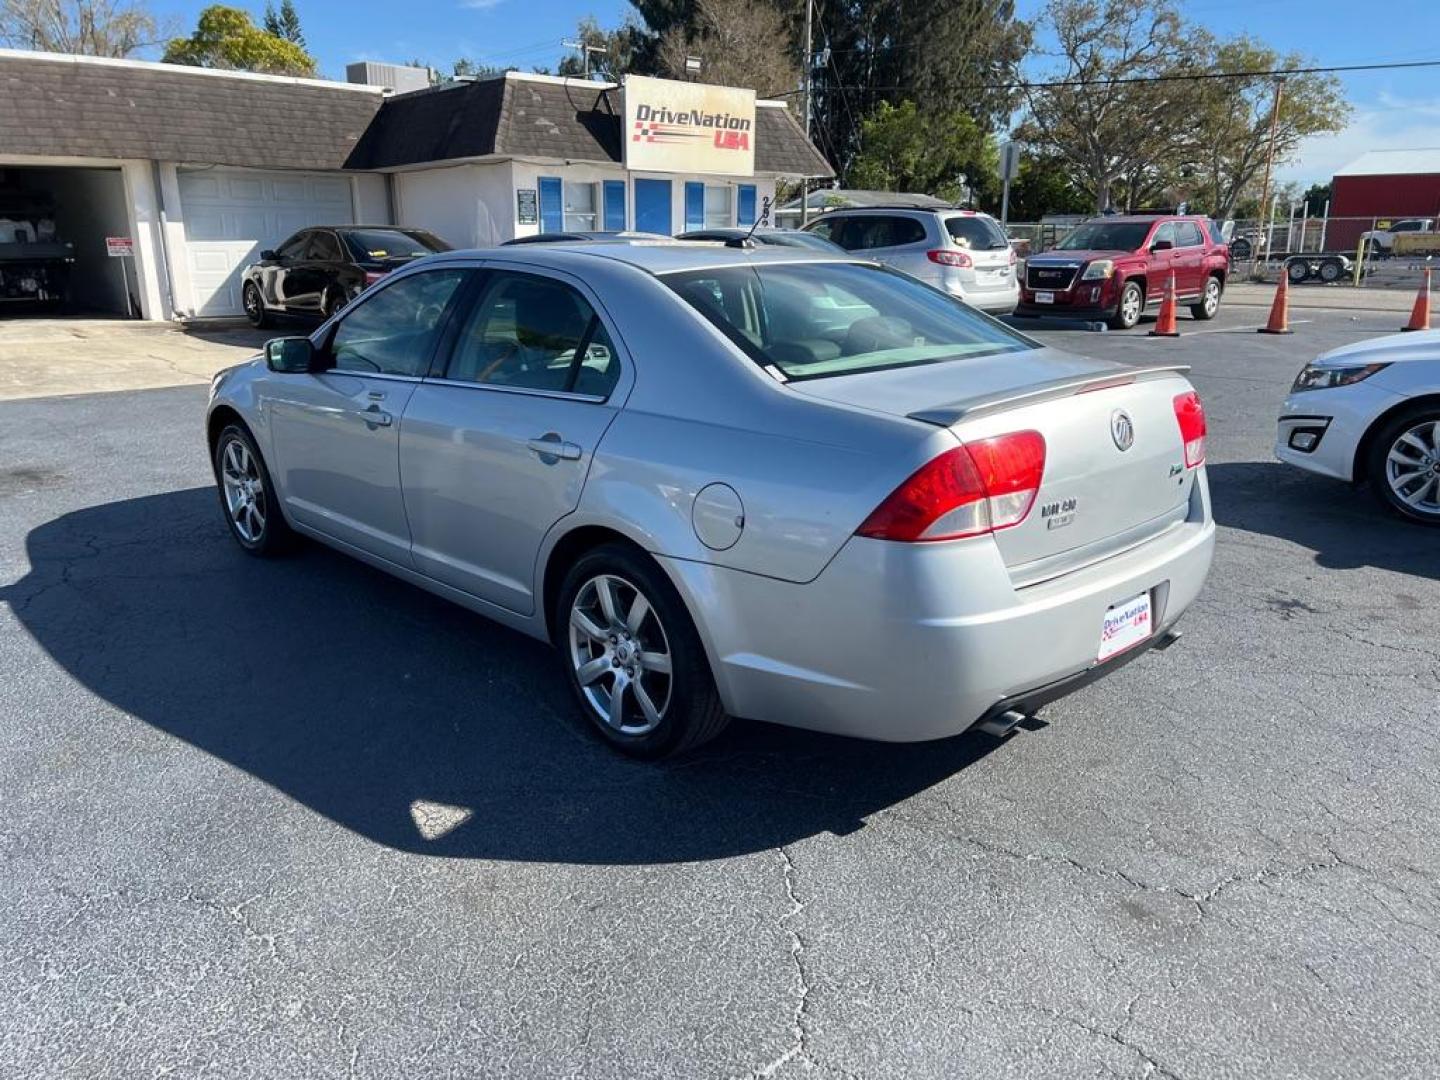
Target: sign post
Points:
(1009, 167)
(122, 248)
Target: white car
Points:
(1383, 240)
(962, 252)
(1370, 412)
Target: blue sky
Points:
(1392, 109)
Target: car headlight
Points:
(1100, 269)
(1314, 377)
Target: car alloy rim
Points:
(252, 301)
(244, 491)
(620, 655)
(1413, 468)
(1212, 296)
(1131, 311)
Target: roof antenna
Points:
(746, 240)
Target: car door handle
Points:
(552, 446)
(375, 417)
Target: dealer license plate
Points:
(1126, 625)
(1044, 298)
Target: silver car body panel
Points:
(803, 622)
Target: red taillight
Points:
(1190, 415)
(946, 257)
(372, 276)
(977, 488)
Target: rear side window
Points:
(1188, 234)
(1216, 232)
(534, 333)
(394, 332)
(976, 233)
(865, 232)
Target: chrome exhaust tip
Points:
(1001, 725)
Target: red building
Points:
(1382, 185)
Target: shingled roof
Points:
(69, 106)
(536, 117)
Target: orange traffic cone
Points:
(1420, 314)
(1280, 310)
(1165, 323)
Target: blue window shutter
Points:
(552, 205)
(615, 205)
(747, 205)
(694, 204)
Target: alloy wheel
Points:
(1212, 296)
(1412, 468)
(244, 491)
(1130, 307)
(252, 302)
(620, 655)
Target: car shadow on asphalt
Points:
(1345, 527)
(404, 718)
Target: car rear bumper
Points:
(907, 642)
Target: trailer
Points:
(1326, 266)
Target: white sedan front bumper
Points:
(1338, 418)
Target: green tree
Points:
(84, 27)
(903, 149)
(618, 52)
(1043, 186)
(1317, 198)
(285, 23)
(226, 38)
(1232, 120)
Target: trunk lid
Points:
(1095, 498)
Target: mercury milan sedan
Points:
(734, 482)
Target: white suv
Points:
(962, 252)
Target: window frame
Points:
(324, 339)
(463, 308)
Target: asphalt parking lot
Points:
(298, 819)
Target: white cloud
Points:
(480, 5)
(1387, 123)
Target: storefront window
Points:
(580, 204)
(718, 214)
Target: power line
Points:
(1195, 76)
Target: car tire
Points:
(247, 496)
(1129, 307)
(254, 304)
(640, 639)
(1209, 303)
(1411, 436)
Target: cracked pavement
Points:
(298, 819)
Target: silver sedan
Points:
(734, 482)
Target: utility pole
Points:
(808, 69)
(585, 51)
(1264, 237)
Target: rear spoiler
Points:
(1000, 401)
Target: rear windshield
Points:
(369, 244)
(976, 233)
(813, 320)
(1106, 236)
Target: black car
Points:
(766, 237)
(321, 269)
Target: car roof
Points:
(658, 258)
(899, 209)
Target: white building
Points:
(202, 169)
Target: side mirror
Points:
(1162, 245)
(290, 355)
(266, 255)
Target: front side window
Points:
(580, 204)
(822, 319)
(394, 332)
(534, 333)
(1106, 236)
(1164, 234)
(294, 248)
(323, 247)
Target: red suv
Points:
(1112, 268)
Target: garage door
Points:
(230, 215)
